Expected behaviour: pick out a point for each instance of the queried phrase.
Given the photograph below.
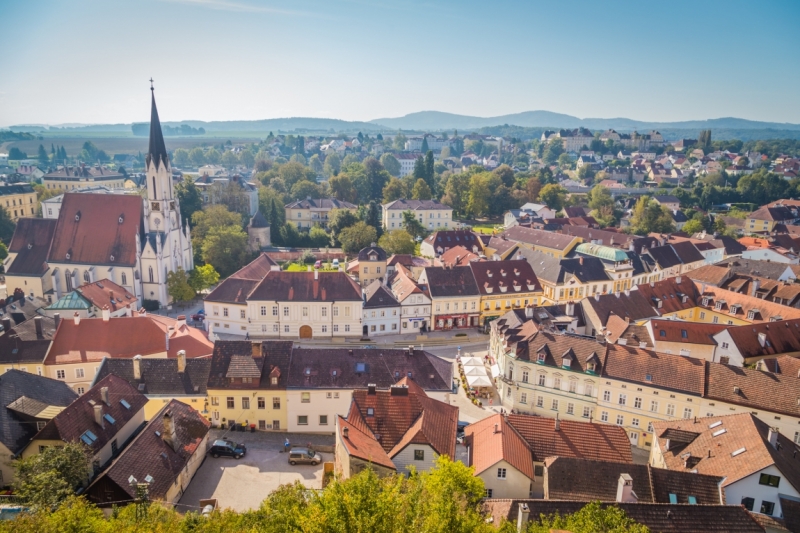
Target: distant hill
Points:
(436, 120)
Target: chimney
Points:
(169, 431)
(678, 280)
(98, 414)
(316, 275)
(181, 361)
(625, 492)
(371, 388)
(522, 517)
(773, 437)
(106, 313)
(104, 395)
(557, 425)
(57, 319)
(137, 367)
(6, 324)
(762, 339)
(580, 260)
(346, 432)
(570, 308)
(255, 347)
(597, 297)
(181, 321)
(497, 428)
(166, 340)
(77, 318)
(529, 311)
(37, 321)
(617, 294)
(756, 284)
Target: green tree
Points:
(332, 164)
(456, 192)
(225, 248)
(180, 157)
(203, 277)
(425, 147)
(554, 149)
(290, 236)
(429, 171)
(693, 226)
(506, 175)
(229, 159)
(45, 480)
(44, 159)
(532, 189)
(480, 194)
(189, 198)
(377, 178)
(342, 188)
(445, 153)
(554, 196)
(197, 156)
(357, 236)
(213, 156)
(15, 154)
(315, 164)
(565, 161)
(338, 220)
(3, 251)
(413, 226)
(421, 191)
(7, 227)
(247, 159)
(394, 189)
(602, 205)
(650, 217)
(391, 164)
(397, 241)
(399, 142)
(305, 189)
(373, 217)
(592, 518)
(178, 286)
(586, 173)
(318, 236)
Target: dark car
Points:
(460, 431)
(221, 448)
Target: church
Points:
(133, 241)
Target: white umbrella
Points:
(472, 361)
(479, 381)
(474, 371)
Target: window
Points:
(286, 328)
(276, 402)
(215, 400)
(323, 420)
(370, 411)
(767, 508)
(262, 424)
(539, 401)
(637, 403)
(325, 311)
(487, 492)
(650, 427)
(262, 403)
(653, 406)
(635, 422)
(588, 389)
(245, 402)
(302, 420)
(347, 328)
(670, 410)
(305, 397)
(230, 403)
(501, 473)
(554, 405)
(570, 409)
(557, 383)
(80, 390)
(523, 398)
(274, 310)
(241, 314)
(224, 311)
(604, 416)
(124, 279)
(40, 425)
(573, 386)
(606, 396)
(114, 447)
(623, 399)
(748, 503)
(724, 345)
(586, 412)
(419, 455)
(524, 376)
(620, 420)
(687, 412)
(542, 379)
(78, 372)
(715, 320)
(772, 481)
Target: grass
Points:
(294, 267)
(487, 229)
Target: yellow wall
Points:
(758, 225)
(29, 284)
(368, 271)
(218, 407)
(82, 183)
(20, 205)
(155, 404)
(33, 446)
(524, 298)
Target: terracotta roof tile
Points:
(539, 238)
(361, 443)
(767, 338)
(235, 359)
(670, 292)
(777, 393)
(31, 242)
(285, 286)
(685, 332)
(458, 255)
(762, 310)
(105, 292)
(672, 372)
(492, 440)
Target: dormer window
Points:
(591, 367)
(121, 219)
(751, 315)
(503, 273)
(706, 301)
(111, 258)
(68, 256)
(719, 305)
(489, 274)
(307, 372)
(78, 216)
(735, 308)
(540, 357)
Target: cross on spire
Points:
(151, 83)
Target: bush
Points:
(308, 257)
(151, 305)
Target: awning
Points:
(471, 361)
(495, 371)
(479, 381)
(474, 371)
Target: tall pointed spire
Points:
(158, 150)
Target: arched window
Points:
(86, 276)
(68, 275)
(150, 273)
(154, 186)
(124, 279)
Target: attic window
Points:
(88, 437)
(125, 404)
(648, 377)
(777, 318)
(684, 334)
(540, 357)
(735, 308)
(121, 219)
(740, 451)
(307, 371)
(662, 333)
(719, 432)
(719, 305)
(715, 424)
(370, 411)
(751, 315)
(706, 301)
(361, 367)
(109, 419)
(111, 258)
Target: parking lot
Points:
(243, 484)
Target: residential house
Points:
(26, 267)
(763, 269)
(720, 306)
(415, 304)
(162, 380)
(165, 455)
(684, 338)
(439, 242)
(29, 401)
(306, 213)
(24, 346)
(321, 382)
(758, 464)
(105, 419)
(234, 192)
(80, 345)
(407, 161)
(247, 385)
(432, 214)
(675, 297)
(499, 247)
(526, 213)
(553, 244)
(667, 200)
(455, 297)
(764, 219)
(458, 255)
(750, 343)
(505, 285)
(19, 200)
(411, 429)
(566, 280)
(413, 264)
(381, 311)
(370, 265)
(68, 178)
(629, 306)
(572, 140)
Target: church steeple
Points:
(158, 150)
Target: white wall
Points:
(515, 485)
(319, 404)
(405, 458)
(749, 487)
(390, 318)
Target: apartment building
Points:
(306, 213)
(432, 214)
(19, 200)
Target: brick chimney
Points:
(625, 492)
(104, 395)
(98, 414)
(181, 361)
(168, 434)
(37, 321)
(137, 367)
(106, 313)
(77, 318)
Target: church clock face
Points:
(155, 206)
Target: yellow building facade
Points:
(19, 200)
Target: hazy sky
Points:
(88, 61)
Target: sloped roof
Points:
(764, 309)
(670, 292)
(458, 255)
(764, 269)
(273, 362)
(756, 389)
(90, 232)
(365, 253)
(685, 332)
(320, 203)
(539, 238)
(415, 205)
(712, 274)
(161, 376)
(585, 440)
(451, 282)
(157, 151)
(150, 455)
(361, 443)
(286, 286)
(672, 372)
(665, 256)
(378, 295)
(687, 252)
(105, 292)
(515, 276)
(258, 221)
(493, 440)
(16, 430)
(632, 305)
(31, 242)
(773, 214)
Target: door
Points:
(634, 436)
(305, 332)
(276, 425)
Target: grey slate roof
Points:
(161, 376)
(15, 429)
(378, 295)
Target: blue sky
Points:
(88, 61)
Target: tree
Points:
(45, 480)
(357, 236)
(429, 171)
(305, 189)
(413, 226)
(318, 237)
(586, 173)
(554, 149)
(400, 142)
(342, 188)
(15, 154)
(377, 178)
(197, 156)
(421, 191)
(445, 153)
(44, 159)
(180, 157)
(479, 195)
(373, 217)
(650, 217)
(456, 192)
(189, 198)
(290, 236)
(213, 157)
(592, 518)
(229, 159)
(247, 159)
(178, 286)
(202, 278)
(425, 147)
(506, 175)
(391, 164)
(315, 164)
(7, 227)
(602, 204)
(692, 226)
(554, 196)
(225, 248)
(397, 241)
(532, 189)
(394, 189)
(339, 219)
(565, 161)
(332, 164)
(3, 251)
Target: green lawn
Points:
(294, 267)
(487, 229)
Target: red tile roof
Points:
(767, 338)
(105, 292)
(673, 372)
(539, 238)
(31, 242)
(685, 332)
(585, 440)
(458, 255)
(361, 443)
(755, 389)
(764, 309)
(492, 440)
(94, 228)
(285, 286)
(670, 292)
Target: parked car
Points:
(304, 457)
(335, 263)
(197, 317)
(222, 448)
(318, 264)
(460, 431)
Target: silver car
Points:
(303, 456)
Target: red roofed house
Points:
(392, 430)
(80, 344)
